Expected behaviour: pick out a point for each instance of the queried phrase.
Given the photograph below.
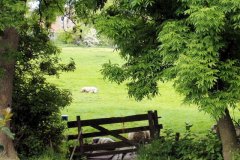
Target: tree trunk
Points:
(8, 43)
(228, 135)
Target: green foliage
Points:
(5, 117)
(206, 62)
(193, 43)
(66, 37)
(188, 147)
(85, 9)
(133, 28)
(10, 9)
(49, 154)
(7, 131)
(105, 41)
(36, 103)
(83, 35)
(236, 155)
(91, 106)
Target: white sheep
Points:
(120, 156)
(139, 136)
(89, 90)
(102, 140)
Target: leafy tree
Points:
(8, 46)
(194, 43)
(36, 103)
(25, 46)
(25, 50)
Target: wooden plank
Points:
(105, 153)
(177, 136)
(140, 117)
(105, 146)
(79, 138)
(117, 131)
(156, 125)
(80, 134)
(110, 152)
(110, 146)
(86, 150)
(151, 124)
(104, 130)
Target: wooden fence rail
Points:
(122, 146)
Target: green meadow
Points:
(113, 100)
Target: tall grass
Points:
(49, 155)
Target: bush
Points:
(104, 41)
(83, 36)
(188, 147)
(66, 37)
(36, 121)
(49, 155)
(91, 39)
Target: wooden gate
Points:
(119, 147)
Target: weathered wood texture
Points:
(100, 121)
(123, 145)
(117, 131)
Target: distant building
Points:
(62, 23)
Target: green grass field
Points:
(112, 99)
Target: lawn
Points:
(112, 99)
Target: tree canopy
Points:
(27, 56)
(194, 43)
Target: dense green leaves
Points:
(194, 43)
(84, 9)
(188, 147)
(36, 103)
(201, 69)
(11, 13)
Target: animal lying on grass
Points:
(89, 90)
(120, 156)
(139, 137)
(101, 140)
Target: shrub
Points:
(36, 121)
(188, 147)
(91, 39)
(105, 41)
(66, 37)
(49, 155)
(83, 36)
